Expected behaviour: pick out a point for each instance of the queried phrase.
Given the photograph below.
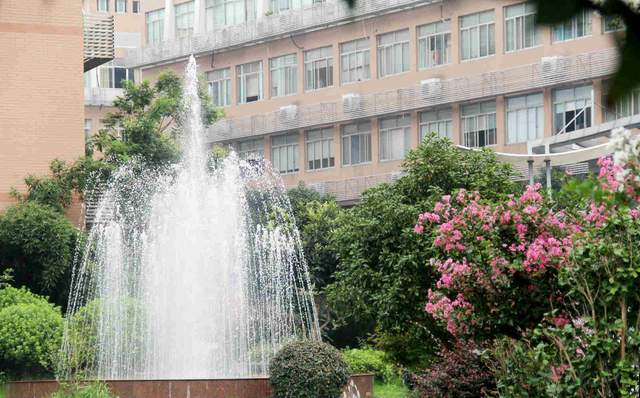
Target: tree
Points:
(147, 121)
(38, 243)
(381, 274)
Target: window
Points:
(355, 61)
(103, 5)
(251, 149)
(249, 82)
(229, 12)
(111, 76)
(434, 44)
(88, 129)
(525, 118)
(184, 19)
(520, 27)
(356, 143)
(284, 153)
(277, 6)
(612, 23)
(284, 75)
(578, 26)
(318, 68)
(320, 149)
(478, 124)
(477, 35)
(220, 86)
(121, 6)
(572, 108)
(627, 106)
(395, 137)
(436, 121)
(393, 53)
(135, 6)
(155, 26)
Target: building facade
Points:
(335, 97)
(40, 91)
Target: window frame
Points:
(482, 114)
(312, 63)
(406, 139)
(491, 38)
(365, 68)
(362, 130)
(631, 102)
(588, 121)
(188, 15)
(605, 21)
(537, 40)
(574, 28)
(320, 141)
(286, 146)
(211, 6)
(424, 43)
(404, 48)
(241, 81)
(527, 107)
(156, 22)
(222, 80)
(135, 6)
(443, 115)
(106, 4)
(252, 152)
(117, 2)
(281, 71)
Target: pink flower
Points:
(558, 371)
(418, 229)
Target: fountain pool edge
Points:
(360, 386)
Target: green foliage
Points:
(308, 369)
(391, 390)
(381, 274)
(369, 360)
(147, 120)
(30, 333)
(54, 190)
(38, 243)
(91, 390)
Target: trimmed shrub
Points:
(308, 369)
(368, 360)
(30, 334)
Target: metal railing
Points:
(98, 96)
(268, 27)
(98, 39)
(431, 93)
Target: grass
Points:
(2, 391)
(390, 390)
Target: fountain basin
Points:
(360, 386)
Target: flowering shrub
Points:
(498, 264)
(560, 285)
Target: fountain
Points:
(193, 272)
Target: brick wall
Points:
(41, 88)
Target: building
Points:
(103, 84)
(335, 97)
(45, 48)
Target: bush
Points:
(368, 360)
(93, 390)
(38, 243)
(308, 369)
(30, 334)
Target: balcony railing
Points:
(266, 28)
(547, 73)
(97, 96)
(98, 39)
(349, 190)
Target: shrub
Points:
(92, 390)
(308, 369)
(30, 334)
(38, 243)
(458, 372)
(369, 360)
